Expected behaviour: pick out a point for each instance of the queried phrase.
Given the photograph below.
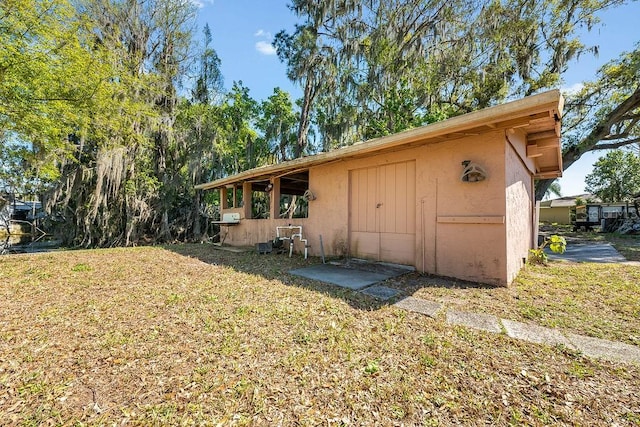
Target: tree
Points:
(239, 112)
(375, 67)
(209, 82)
(615, 177)
(554, 189)
(309, 55)
(52, 79)
(605, 114)
(122, 179)
(277, 122)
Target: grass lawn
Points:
(598, 300)
(186, 335)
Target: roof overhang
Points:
(536, 117)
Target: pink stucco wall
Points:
(478, 231)
(519, 219)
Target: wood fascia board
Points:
(559, 154)
(547, 143)
(548, 175)
(548, 134)
(548, 169)
(536, 148)
(517, 137)
(518, 110)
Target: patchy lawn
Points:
(628, 246)
(188, 335)
(598, 300)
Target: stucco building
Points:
(453, 198)
(558, 211)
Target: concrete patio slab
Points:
(386, 268)
(534, 333)
(484, 322)
(588, 252)
(418, 305)
(346, 277)
(604, 349)
(380, 292)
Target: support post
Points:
(247, 199)
(274, 197)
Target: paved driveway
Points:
(588, 252)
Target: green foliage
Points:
(277, 121)
(209, 81)
(557, 244)
(52, 75)
(375, 70)
(122, 175)
(307, 63)
(239, 112)
(372, 368)
(554, 189)
(604, 113)
(81, 267)
(615, 177)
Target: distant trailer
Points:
(592, 215)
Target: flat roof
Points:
(538, 116)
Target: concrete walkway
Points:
(356, 277)
(591, 347)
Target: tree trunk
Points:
(197, 230)
(303, 127)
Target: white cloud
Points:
(201, 3)
(265, 48)
(573, 89)
(262, 33)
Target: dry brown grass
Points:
(187, 335)
(598, 300)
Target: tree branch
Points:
(614, 145)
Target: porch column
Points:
(274, 199)
(247, 196)
(223, 198)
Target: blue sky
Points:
(242, 32)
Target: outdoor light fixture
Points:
(269, 187)
(472, 172)
(308, 196)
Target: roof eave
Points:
(550, 102)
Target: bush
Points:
(557, 244)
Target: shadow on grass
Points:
(277, 266)
(412, 283)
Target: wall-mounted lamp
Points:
(472, 172)
(269, 187)
(308, 196)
